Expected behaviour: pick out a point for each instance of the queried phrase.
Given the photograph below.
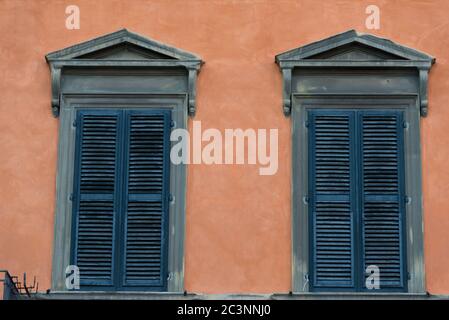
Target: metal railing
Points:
(13, 289)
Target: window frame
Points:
(409, 103)
(70, 103)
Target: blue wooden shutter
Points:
(383, 196)
(95, 196)
(147, 181)
(331, 190)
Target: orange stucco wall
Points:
(238, 222)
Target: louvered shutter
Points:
(94, 198)
(147, 176)
(383, 195)
(331, 157)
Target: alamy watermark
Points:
(235, 146)
(373, 279)
(72, 22)
(72, 277)
(372, 22)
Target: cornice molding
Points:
(79, 56)
(351, 50)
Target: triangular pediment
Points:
(353, 46)
(357, 52)
(124, 51)
(122, 45)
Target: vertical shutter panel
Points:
(383, 196)
(94, 196)
(330, 183)
(147, 199)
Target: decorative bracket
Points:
(55, 89)
(287, 91)
(423, 85)
(193, 73)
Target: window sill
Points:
(111, 295)
(142, 295)
(352, 296)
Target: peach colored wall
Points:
(238, 223)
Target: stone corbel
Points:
(193, 73)
(55, 90)
(423, 85)
(287, 91)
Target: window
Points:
(120, 200)
(355, 102)
(356, 198)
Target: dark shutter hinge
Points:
(405, 124)
(409, 276)
(305, 200)
(74, 123)
(407, 200)
(172, 123)
(71, 197)
(306, 277)
(307, 124)
(170, 198)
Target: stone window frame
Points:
(300, 221)
(152, 58)
(340, 56)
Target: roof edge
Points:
(117, 37)
(350, 36)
